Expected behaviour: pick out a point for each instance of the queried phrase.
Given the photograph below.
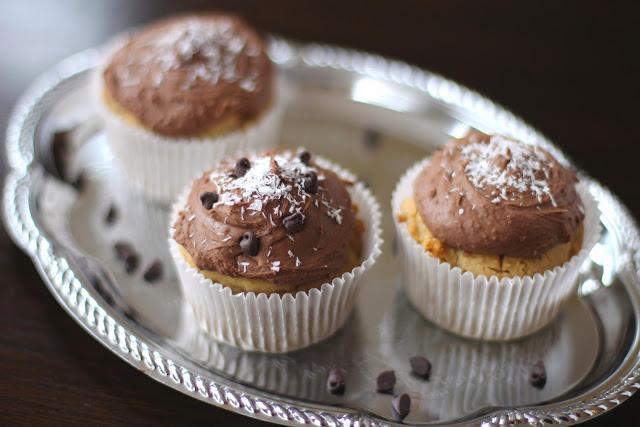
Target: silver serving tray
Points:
(376, 117)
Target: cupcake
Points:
(493, 232)
(183, 92)
(270, 249)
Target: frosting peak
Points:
(507, 170)
(183, 76)
(497, 196)
(269, 178)
(276, 217)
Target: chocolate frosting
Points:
(488, 194)
(259, 201)
(183, 75)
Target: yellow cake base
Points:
(488, 265)
(228, 125)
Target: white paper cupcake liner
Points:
(484, 307)
(159, 167)
(276, 323)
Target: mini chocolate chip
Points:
(60, 151)
(293, 223)
(242, 166)
(123, 250)
(249, 243)
(154, 272)
(112, 215)
(305, 157)
(208, 199)
(538, 375)
(79, 182)
(401, 405)
(131, 263)
(100, 289)
(335, 382)
(126, 253)
(386, 381)
(420, 366)
(310, 183)
(371, 139)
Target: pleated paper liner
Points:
(281, 323)
(482, 307)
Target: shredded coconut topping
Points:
(278, 177)
(244, 266)
(510, 168)
(209, 49)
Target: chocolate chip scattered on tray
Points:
(153, 272)
(60, 151)
(79, 182)
(293, 223)
(125, 253)
(311, 183)
(305, 157)
(371, 139)
(250, 243)
(420, 367)
(335, 382)
(112, 215)
(538, 375)
(123, 250)
(97, 284)
(401, 405)
(131, 263)
(386, 381)
(208, 199)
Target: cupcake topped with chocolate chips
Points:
(275, 222)
(495, 206)
(195, 75)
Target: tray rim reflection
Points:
(112, 329)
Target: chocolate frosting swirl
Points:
(274, 188)
(184, 75)
(488, 194)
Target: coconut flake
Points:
(244, 266)
(208, 50)
(511, 167)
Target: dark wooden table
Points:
(571, 69)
